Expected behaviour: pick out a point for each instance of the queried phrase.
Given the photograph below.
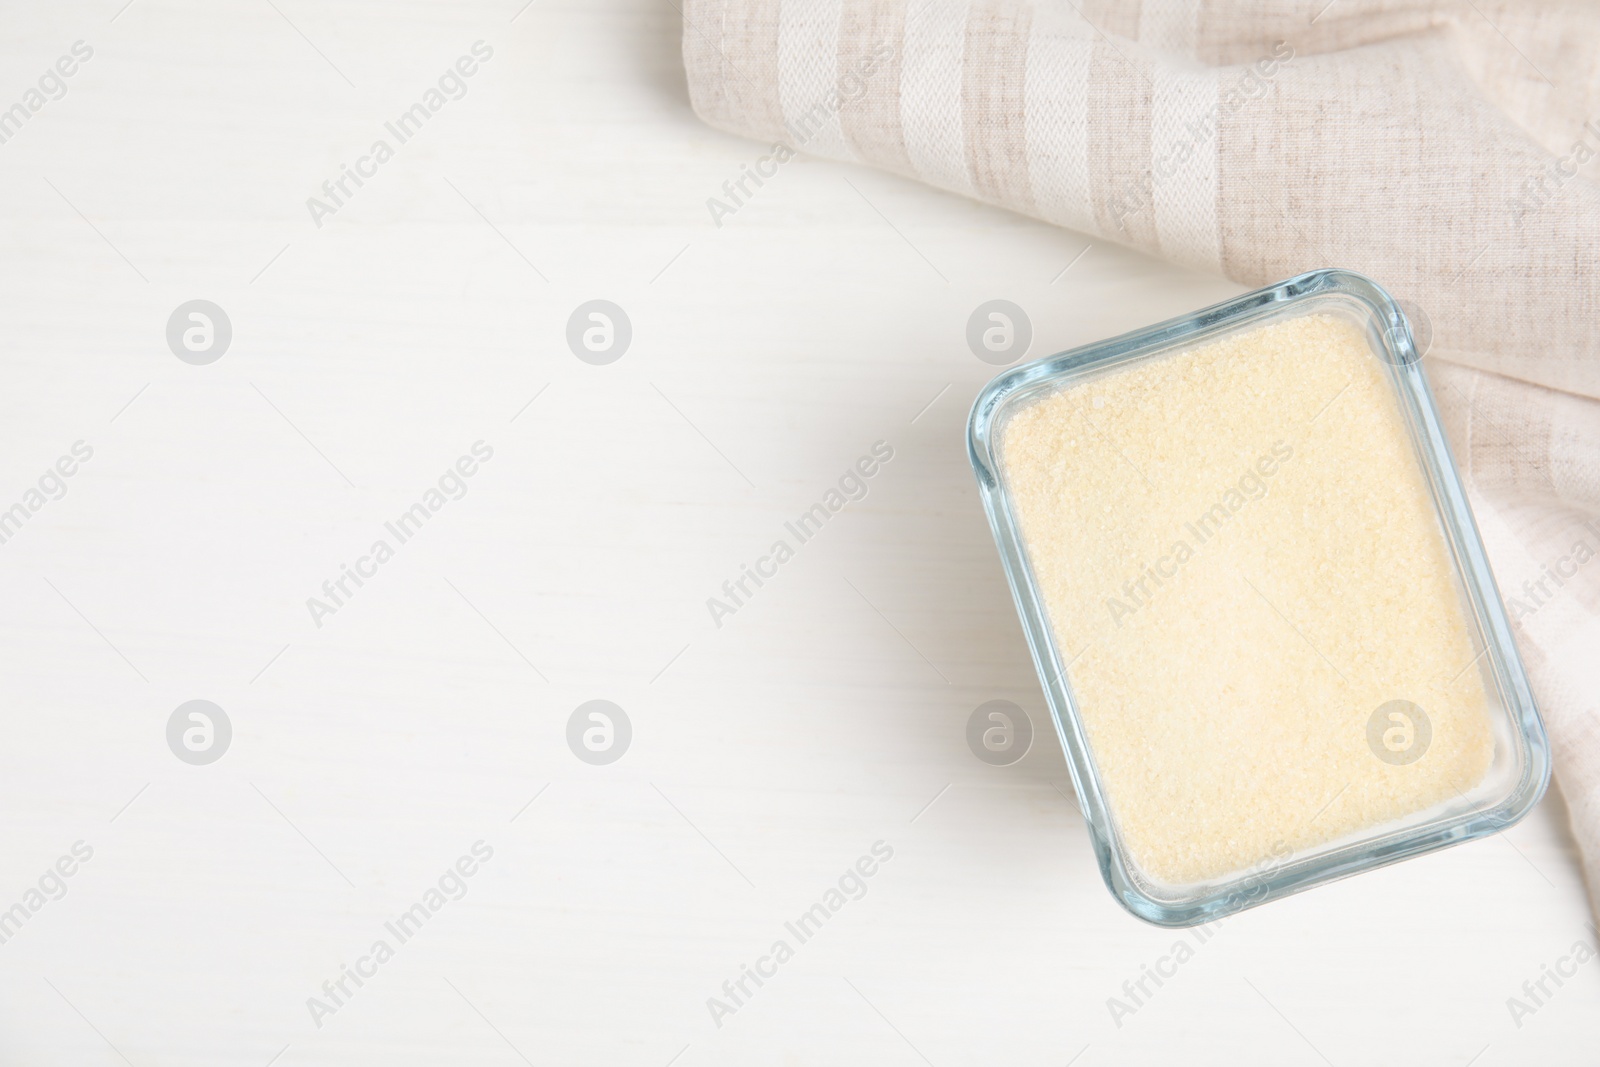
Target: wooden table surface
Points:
(380, 738)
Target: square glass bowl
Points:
(1256, 599)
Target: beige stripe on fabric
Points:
(1057, 109)
(993, 94)
(808, 76)
(1521, 440)
(871, 46)
(1183, 167)
(731, 55)
(1510, 442)
(1119, 146)
(930, 91)
(1272, 228)
(703, 63)
(1115, 18)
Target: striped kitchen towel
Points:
(1448, 149)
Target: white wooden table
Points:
(429, 710)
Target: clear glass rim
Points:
(1509, 679)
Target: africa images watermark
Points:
(1543, 187)
(451, 885)
(52, 485)
(851, 86)
(51, 886)
(1536, 593)
(851, 487)
(851, 885)
(1537, 992)
(52, 85)
(1138, 992)
(1252, 485)
(1254, 82)
(451, 485)
(451, 85)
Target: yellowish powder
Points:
(1238, 557)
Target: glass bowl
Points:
(1258, 604)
